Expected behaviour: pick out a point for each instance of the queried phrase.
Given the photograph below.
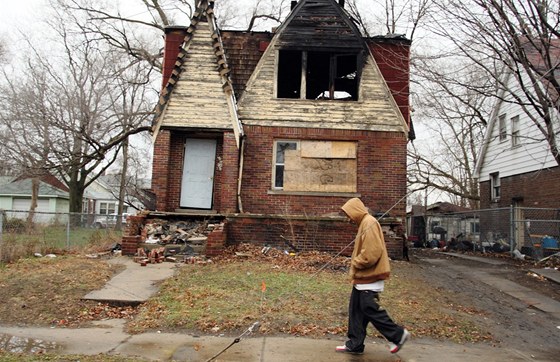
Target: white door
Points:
(198, 173)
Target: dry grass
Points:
(285, 293)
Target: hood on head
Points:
(355, 209)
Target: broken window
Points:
(279, 158)
(315, 166)
(289, 70)
(317, 75)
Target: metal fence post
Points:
(2, 213)
(68, 231)
(511, 229)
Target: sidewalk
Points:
(136, 284)
(109, 338)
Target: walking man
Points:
(368, 270)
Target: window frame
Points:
(502, 127)
(275, 164)
(335, 60)
(515, 131)
(104, 208)
(495, 187)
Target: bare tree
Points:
(512, 39)
(3, 52)
(68, 115)
(389, 16)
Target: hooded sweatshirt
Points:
(370, 261)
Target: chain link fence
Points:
(533, 231)
(23, 233)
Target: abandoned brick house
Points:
(270, 133)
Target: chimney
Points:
(294, 3)
(341, 3)
(174, 37)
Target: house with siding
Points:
(52, 199)
(516, 167)
(271, 133)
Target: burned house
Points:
(270, 133)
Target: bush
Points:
(14, 225)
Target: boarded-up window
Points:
(321, 166)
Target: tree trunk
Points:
(122, 186)
(34, 200)
(76, 187)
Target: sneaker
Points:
(394, 348)
(345, 349)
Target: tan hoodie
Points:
(370, 261)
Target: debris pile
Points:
(311, 261)
(174, 241)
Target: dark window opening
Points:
(327, 75)
(318, 76)
(289, 74)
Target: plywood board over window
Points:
(321, 166)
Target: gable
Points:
(199, 93)
(307, 31)
(198, 99)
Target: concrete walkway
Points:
(135, 284)
(110, 339)
(526, 295)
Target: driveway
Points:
(522, 309)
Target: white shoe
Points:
(394, 348)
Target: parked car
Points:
(108, 221)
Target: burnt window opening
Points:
(317, 75)
(289, 72)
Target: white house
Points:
(516, 167)
(52, 202)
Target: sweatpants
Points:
(364, 308)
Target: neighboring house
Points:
(516, 166)
(273, 132)
(52, 202)
(441, 221)
(101, 201)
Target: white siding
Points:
(375, 110)
(532, 153)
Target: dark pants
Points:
(364, 308)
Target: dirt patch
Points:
(512, 322)
(48, 292)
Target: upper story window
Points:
(317, 75)
(515, 131)
(502, 127)
(495, 186)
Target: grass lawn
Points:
(288, 296)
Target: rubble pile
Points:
(174, 241)
(305, 261)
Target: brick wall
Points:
(321, 234)
(381, 179)
(168, 167)
(160, 168)
(393, 59)
(534, 189)
(381, 172)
